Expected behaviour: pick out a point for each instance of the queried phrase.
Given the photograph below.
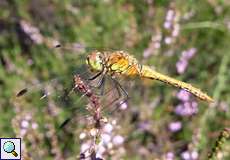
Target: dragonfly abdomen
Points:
(147, 72)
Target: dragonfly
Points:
(115, 63)
(109, 65)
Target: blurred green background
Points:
(158, 33)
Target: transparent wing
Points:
(104, 95)
(57, 91)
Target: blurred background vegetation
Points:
(159, 33)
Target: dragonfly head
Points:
(95, 61)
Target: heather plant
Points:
(43, 44)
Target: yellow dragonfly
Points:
(121, 63)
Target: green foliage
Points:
(122, 25)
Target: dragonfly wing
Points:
(52, 88)
(58, 91)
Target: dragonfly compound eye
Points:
(94, 60)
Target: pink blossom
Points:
(183, 95)
(181, 66)
(186, 55)
(118, 140)
(186, 109)
(170, 156)
(175, 126)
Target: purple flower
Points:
(144, 126)
(169, 156)
(169, 20)
(118, 140)
(170, 15)
(106, 138)
(186, 55)
(154, 44)
(123, 105)
(187, 155)
(176, 30)
(183, 95)
(181, 66)
(108, 128)
(167, 25)
(168, 40)
(24, 124)
(186, 108)
(175, 126)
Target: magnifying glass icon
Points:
(9, 147)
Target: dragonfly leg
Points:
(103, 86)
(121, 92)
(100, 83)
(119, 86)
(100, 86)
(96, 75)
